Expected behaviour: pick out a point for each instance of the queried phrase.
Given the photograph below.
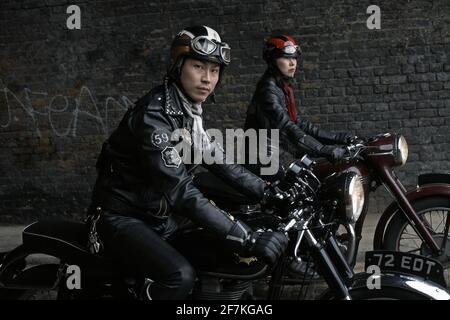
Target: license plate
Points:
(408, 263)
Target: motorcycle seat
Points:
(60, 238)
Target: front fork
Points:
(330, 262)
(398, 192)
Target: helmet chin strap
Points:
(212, 96)
(180, 87)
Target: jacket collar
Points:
(172, 105)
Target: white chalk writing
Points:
(84, 99)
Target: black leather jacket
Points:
(140, 176)
(268, 110)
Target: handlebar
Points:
(354, 150)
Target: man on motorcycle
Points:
(142, 180)
(273, 107)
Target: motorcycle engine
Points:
(208, 288)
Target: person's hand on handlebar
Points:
(333, 153)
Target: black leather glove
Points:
(268, 245)
(333, 153)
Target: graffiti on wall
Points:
(85, 105)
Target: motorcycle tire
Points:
(398, 225)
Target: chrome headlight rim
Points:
(355, 198)
(401, 150)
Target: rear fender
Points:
(14, 263)
(432, 178)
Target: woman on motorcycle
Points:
(142, 179)
(273, 107)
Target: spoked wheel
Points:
(435, 213)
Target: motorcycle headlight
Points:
(402, 150)
(343, 194)
(354, 199)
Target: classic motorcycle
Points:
(310, 220)
(417, 221)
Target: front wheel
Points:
(392, 287)
(400, 235)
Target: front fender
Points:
(405, 287)
(421, 192)
(409, 283)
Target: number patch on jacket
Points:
(160, 138)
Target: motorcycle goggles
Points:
(291, 50)
(203, 45)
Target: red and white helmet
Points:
(280, 46)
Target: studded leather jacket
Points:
(268, 110)
(141, 174)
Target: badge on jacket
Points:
(160, 138)
(171, 157)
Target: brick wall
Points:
(62, 91)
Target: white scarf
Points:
(200, 138)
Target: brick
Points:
(410, 123)
(341, 73)
(380, 89)
(337, 91)
(394, 88)
(407, 68)
(433, 86)
(422, 68)
(365, 80)
(326, 74)
(442, 76)
(352, 90)
(354, 108)
(422, 77)
(444, 112)
(424, 113)
(436, 67)
(392, 79)
(365, 90)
